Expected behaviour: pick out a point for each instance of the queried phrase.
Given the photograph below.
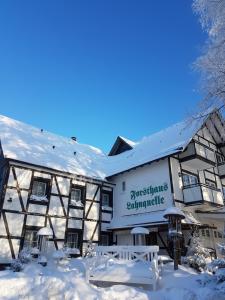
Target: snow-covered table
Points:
(124, 264)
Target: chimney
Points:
(74, 138)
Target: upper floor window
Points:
(105, 200)
(39, 189)
(189, 179)
(211, 183)
(220, 158)
(76, 196)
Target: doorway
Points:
(151, 239)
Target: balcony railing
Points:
(200, 193)
(199, 150)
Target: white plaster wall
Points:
(15, 223)
(72, 223)
(77, 213)
(55, 207)
(155, 174)
(35, 221)
(35, 208)
(91, 190)
(5, 254)
(23, 177)
(89, 227)
(59, 226)
(94, 211)
(64, 185)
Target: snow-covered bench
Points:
(124, 264)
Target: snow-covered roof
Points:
(29, 144)
(36, 146)
(139, 230)
(158, 145)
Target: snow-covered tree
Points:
(196, 254)
(211, 63)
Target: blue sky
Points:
(97, 69)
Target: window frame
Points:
(108, 236)
(110, 195)
(79, 239)
(189, 176)
(72, 202)
(46, 181)
(33, 243)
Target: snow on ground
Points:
(66, 280)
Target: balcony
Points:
(221, 165)
(201, 193)
(198, 156)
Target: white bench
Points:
(124, 264)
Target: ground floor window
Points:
(104, 241)
(73, 239)
(31, 238)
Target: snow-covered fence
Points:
(134, 253)
(108, 262)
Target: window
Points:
(76, 197)
(30, 239)
(189, 179)
(104, 240)
(203, 232)
(220, 158)
(207, 233)
(123, 186)
(219, 235)
(72, 240)
(210, 183)
(215, 234)
(105, 200)
(76, 194)
(39, 188)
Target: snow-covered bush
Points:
(216, 264)
(196, 254)
(221, 249)
(16, 265)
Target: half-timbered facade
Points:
(84, 195)
(180, 166)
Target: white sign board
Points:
(147, 190)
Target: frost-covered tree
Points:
(211, 63)
(196, 254)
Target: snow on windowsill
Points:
(76, 203)
(38, 198)
(106, 208)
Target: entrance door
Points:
(151, 239)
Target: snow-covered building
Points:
(85, 195)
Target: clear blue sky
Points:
(97, 69)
